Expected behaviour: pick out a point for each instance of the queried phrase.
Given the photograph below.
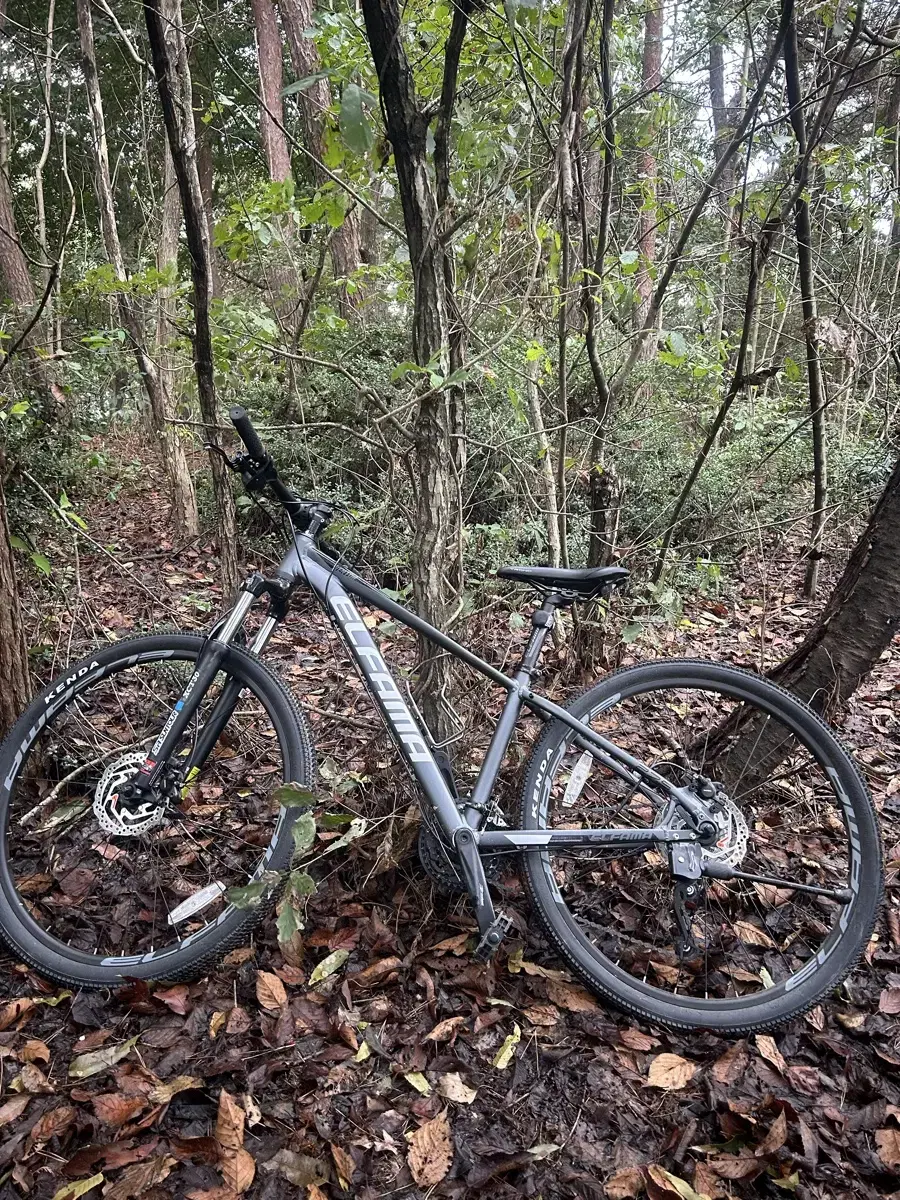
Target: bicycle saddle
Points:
(573, 583)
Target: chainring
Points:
(116, 818)
(438, 861)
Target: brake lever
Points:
(233, 464)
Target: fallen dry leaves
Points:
(670, 1071)
(431, 1151)
(270, 991)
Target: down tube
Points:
(405, 730)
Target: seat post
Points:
(542, 620)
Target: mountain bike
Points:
(697, 845)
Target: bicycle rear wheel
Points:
(792, 807)
(89, 902)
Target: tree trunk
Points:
(15, 685)
(19, 288)
(268, 44)
(437, 433)
(860, 618)
(184, 506)
(856, 627)
(165, 32)
(814, 376)
(651, 73)
(546, 475)
(314, 102)
(184, 496)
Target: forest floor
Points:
(259, 1081)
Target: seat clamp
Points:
(543, 618)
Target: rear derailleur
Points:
(685, 863)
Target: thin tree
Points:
(297, 18)
(181, 486)
(15, 686)
(165, 31)
(814, 374)
(436, 565)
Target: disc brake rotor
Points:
(732, 838)
(112, 815)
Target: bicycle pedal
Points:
(490, 943)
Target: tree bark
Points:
(314, 102)
(268, 44)
(814, 375)
(181, 489)
(15, 685)
(184, 495)
(651, 73)
(860, 618)
(165, 32)
(858, 623)
(19, 288)
(435, 550)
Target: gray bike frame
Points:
(336, 586)
(462, 821)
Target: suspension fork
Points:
(205, 671)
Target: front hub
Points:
(116, 816)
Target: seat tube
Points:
(542, 622)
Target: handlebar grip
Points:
(240, 419)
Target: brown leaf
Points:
(890, 1000)
(236, 957)
(176, 998)
(238, 1169)
(112, 1108)
(140, 1178)
(195, 1149)
(52, 1123)
(230, 1122)
(455, 944)
(32, 1079)
(444, 1030)
(163, 1092)
(887, 1142)
(217, 1024)
(663, 1185)
(270, 992)
(706, 1183)
(571, 996)
(431, 1151)
(635, 1040)
(732, 1064)
(344, 1164)
(752, 935)
(35, 1051)
(302, 1170)
(376, 973)
(11, 1012)
(13, 1109)
(775, 1138)
(625, 1184)
(767, 1048)
(239, 1020)
(542, 1014)
(670, 1071)
(732, 1166)
(804, 1079)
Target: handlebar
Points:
(240, 419)
(259, 472)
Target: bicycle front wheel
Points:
(790, 807)
(89, 902)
